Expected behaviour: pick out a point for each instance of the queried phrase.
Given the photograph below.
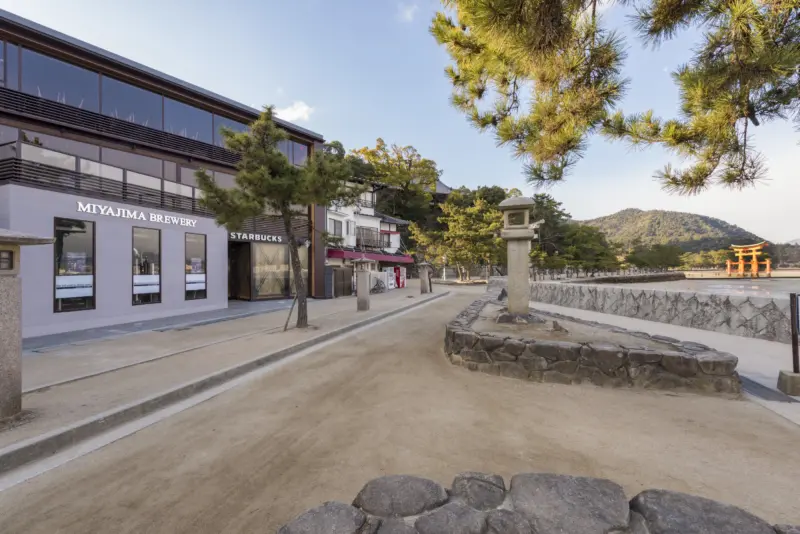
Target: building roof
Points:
(442, 189)
(105, 54)
(391, 220)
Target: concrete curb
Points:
(42, 446)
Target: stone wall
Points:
(630, 279)
(758, 317)
(687, 366)
(534, 503)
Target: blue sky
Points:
(355, 70)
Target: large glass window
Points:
(57, 80)
(195, 266)
(2, 61)
(299, 153)
(270, 270)
(62, 144)
(133, 104)
(74, 265)
(188, 177)
(146, 266)
(7, 133)
(48, 157)
(188, 121)
(219, 122)
(12, 66)
(133, 162)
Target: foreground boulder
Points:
(535, 503)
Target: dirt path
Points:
(386, 401)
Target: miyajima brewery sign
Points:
(244, 236)
(124, 213)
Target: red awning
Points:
(348, 254)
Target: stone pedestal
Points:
(11, 319)
(789, 383)
(425, 278)
(362, 290)
(519, 290)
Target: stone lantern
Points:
(518, 233)
(362, 283)
(11, 318)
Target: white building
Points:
(361, 232)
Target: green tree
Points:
(744, 72)
(655, 256)
(551, 74)
(557, 56)
(267, 182)
(586, 248)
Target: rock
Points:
(479, 490)
(464, 339)
(691, 346)
(490, 343)
(671, 512)
(665, 338)
(477, 356)
(531, 361)
(606, 356)
(566, 367)
(716, 384)
(452, 518)
(556, 350)
(503, 294)
(559, 504)
(787, 529)
(717, 363)
(331, 517)
(400, 496)
(642, 356)
(514, 347)
(679, 363)
(507, 522)
(638, 524)
(396, 526)
(558, 328)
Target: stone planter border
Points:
(687, 366)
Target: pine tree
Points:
(266, 182)
(552, 74)
(745, 72)
(555, 56)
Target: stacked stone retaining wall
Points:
(534, 503)
(756, 317)
(686, 366)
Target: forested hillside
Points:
(689, 231)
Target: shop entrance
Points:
(239, 271)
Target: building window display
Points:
(146, 266)
(195, 266)
(270, 270)
(53, 79)
(74, 265)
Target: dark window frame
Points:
(71, 64)
(205, 266)
(94, 266)
(160, 251)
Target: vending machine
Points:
(400, 276)
(390, 278)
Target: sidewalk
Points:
(143, 365)
(236, 309)
(759, 360)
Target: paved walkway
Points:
(236, 309)
(148, 363)
(759, 360)
(385, 400)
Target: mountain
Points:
(689, 231)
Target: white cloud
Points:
(406, 12)
(298, 111)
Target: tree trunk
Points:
(297, 270)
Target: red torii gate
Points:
(754, 251)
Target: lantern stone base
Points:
(789, 383)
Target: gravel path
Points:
(384, 401)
